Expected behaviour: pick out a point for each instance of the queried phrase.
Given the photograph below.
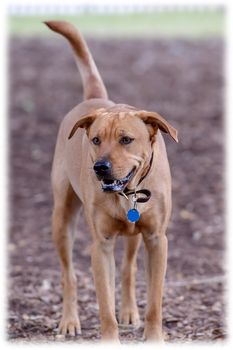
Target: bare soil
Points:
(183, 80)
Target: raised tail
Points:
(92, 81)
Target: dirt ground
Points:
(183, 80)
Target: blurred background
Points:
(168, 59)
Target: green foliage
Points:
(185, 24)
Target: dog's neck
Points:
(138, 195)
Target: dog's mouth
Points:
(117, 185)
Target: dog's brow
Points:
(123, 132)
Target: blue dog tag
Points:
(133, 215)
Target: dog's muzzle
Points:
(103, 171)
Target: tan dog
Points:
(104, 150)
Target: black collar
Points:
(147, 194)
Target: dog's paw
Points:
(69, 325)
(129, 317)
(153, 334)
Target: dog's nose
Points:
(103, 168)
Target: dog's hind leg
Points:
(129, 311)
(66, 207)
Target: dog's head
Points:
(121, 143)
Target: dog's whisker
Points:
(137, 158)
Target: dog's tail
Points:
(92, 82)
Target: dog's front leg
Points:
(103, 265)
(155, 263)
(129, 311)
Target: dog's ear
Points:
(85, 122)
(154, 121)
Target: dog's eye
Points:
(125, 140)
(96, 141)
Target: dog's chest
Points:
(122, 226)
(126, 228)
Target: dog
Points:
(111, 159)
